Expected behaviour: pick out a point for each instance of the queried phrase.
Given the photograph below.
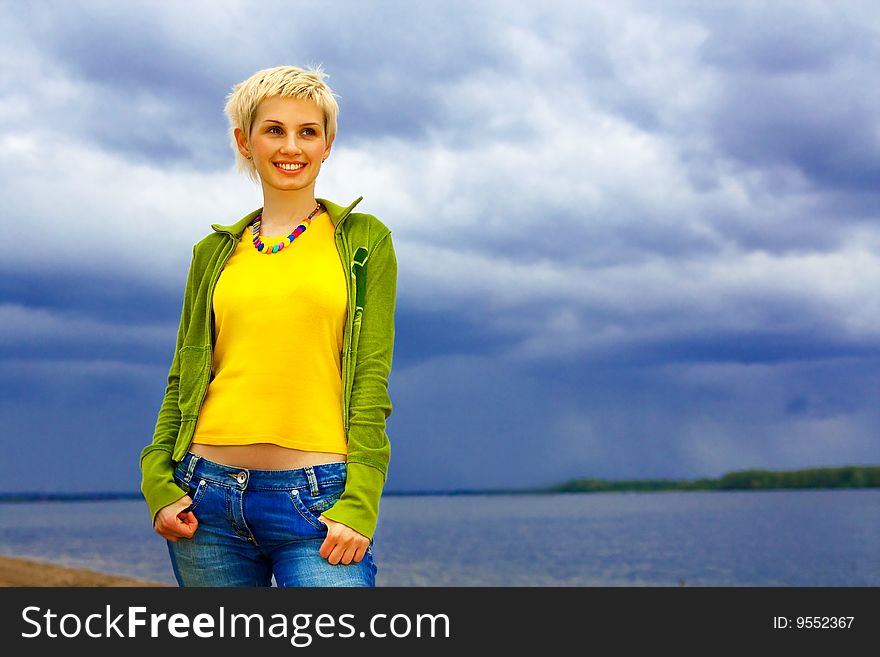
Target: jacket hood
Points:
(337, 214)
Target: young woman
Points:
(270, 452)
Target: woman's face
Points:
(287, 131)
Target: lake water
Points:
(741, 538)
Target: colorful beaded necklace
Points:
(299, 230)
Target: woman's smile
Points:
(290, 168)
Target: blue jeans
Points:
(254, 524)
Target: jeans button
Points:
(241, 477)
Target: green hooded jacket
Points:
(367, 256)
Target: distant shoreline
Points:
(848, 476)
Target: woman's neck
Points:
(282, 211)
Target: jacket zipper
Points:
(346, 344)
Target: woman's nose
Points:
(291, 146)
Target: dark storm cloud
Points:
(797, 90)
(421, 335)
(626, 420)
(633, 241)
(83, 422)
(825, 131)
(79, 302)
(753, 346)
(144, 91)
(778, 96)
(782, 37)
(156, 90)
(101, 296)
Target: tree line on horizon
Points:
(848, 476)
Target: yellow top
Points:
(278, 321)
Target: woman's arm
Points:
(369, 449)
(157, 466)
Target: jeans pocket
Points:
(310, 507)
(196, 492)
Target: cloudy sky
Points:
(635, 239)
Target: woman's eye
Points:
(275, 127)
(310, 132)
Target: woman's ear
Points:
(241, 142)
(327, 149)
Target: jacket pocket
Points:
(194, 367)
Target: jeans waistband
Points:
(312, 477)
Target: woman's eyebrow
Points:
(282, 122)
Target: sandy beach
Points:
(25, 572)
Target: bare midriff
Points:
(263, 456)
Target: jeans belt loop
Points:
(191, 468)
(313, 480)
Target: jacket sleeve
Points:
(157, 466)
(369, 449)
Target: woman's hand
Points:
(172, 523)
(343, 544)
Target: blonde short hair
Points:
(286, 81)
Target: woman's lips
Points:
(290, 172)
